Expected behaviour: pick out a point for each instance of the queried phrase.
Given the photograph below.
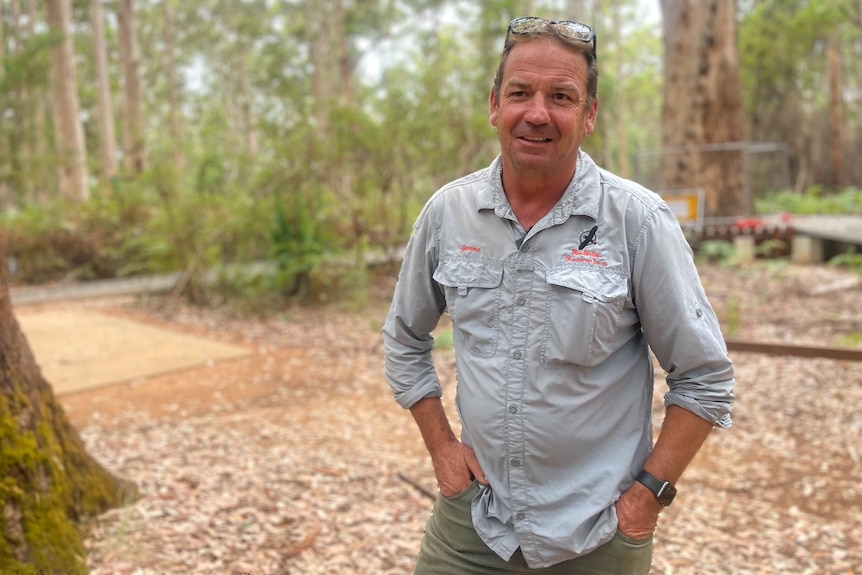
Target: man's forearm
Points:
(682, 435)
(455, 464)
(433, 424)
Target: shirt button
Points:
(517, 355)
(525, 247)
(516, 462)
(522, 300)
(520, 515)
(513, 409)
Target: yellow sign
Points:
(686, 206)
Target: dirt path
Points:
(293, 458)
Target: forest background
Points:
(150, 136)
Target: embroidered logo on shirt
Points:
(466, 248)
(588, 238)
(580, 255)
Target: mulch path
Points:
(296, 460)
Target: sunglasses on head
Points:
(565, 29)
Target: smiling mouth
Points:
(535, 140)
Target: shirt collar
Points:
(581, 197)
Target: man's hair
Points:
(552, 31)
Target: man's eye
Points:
(560, 96)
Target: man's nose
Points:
(537, 111)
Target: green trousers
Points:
(451, 546)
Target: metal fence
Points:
(765, 167)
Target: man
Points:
(559, 277)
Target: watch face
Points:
(666, 494)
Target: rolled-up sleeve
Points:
(679, 323)
(415, 311)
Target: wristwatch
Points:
(664, 490)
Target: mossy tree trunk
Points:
(48, 482)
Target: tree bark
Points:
(40, 145)
(320, 51)
(134, 160)
(703, 106)
(68, 130)
(107, 136)
(836, 113)
(621, 112)
(173, 91)
(49, 482)
(5, 195)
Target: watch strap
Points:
(664, 491)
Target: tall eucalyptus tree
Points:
(107, 138)
(134, 151)
(68, 131)
(703, 103)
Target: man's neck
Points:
(532, 198)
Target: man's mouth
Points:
(536, 140)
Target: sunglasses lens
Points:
(525, 25)
(576, 31)
(569, 29)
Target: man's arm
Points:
(682, 435)
(455, 464)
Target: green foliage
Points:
(814, 201)
(445, 339)
(61, 239)
(716, 251)
(852, 339)
(769, 248)
(850, 260)
(299, 248)
(732, 316)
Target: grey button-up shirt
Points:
(552, 330)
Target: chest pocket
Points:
(583, 315)
(472, 290)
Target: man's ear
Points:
(493, 107)
(590, 120)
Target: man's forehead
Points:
(546, 55)
(530, 71)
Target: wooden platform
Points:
(818, 238)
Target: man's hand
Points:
(637, 512)
(455, 466)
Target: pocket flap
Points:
(469, 273)
(602, 286)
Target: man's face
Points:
(541, 113)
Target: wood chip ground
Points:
(296, 460)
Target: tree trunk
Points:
(836, 114)
(106, 107)
(620, 113)
(130, 56)
(25, 151)
(5, 192)
(68, 130)
(173, 92)
(346, 59)
(246, 99)
(703, 104)
(320, 50)
(40, 145)
(49, 481)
